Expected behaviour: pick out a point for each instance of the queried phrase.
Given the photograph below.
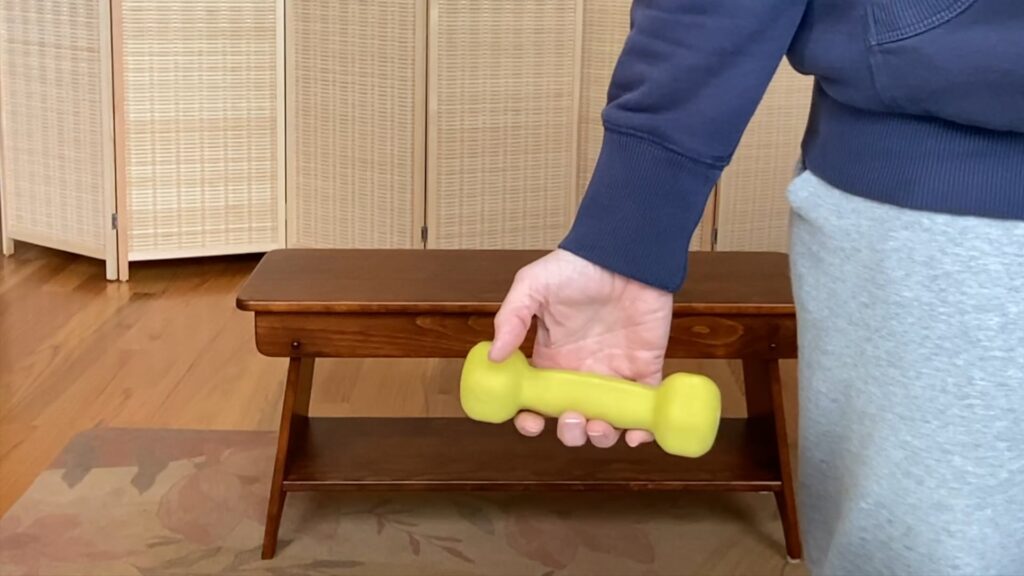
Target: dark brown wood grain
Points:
(460, 454)
(294, 419)
(786, 497)
(452, 335)
(476, 281)
(757, 390)
(732, 337)
(762, 384)
(440, 303)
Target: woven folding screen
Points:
(356, 90)
(753, 213)
(203, 136)
(57, 127)
(502, 124)
(605, 27)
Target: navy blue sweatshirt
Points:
(917, 103)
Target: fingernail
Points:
(631, 441)
(573, 435)
(575, 438)
(599, 439)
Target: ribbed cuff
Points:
(640, 210)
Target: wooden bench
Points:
(323, 303)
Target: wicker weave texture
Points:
(201, 125)
(352, 79)
(502, 93)
(753, 212)
(605, 26)
(57, 155)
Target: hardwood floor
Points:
(169, 349)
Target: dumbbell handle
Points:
(619, 402)
(683, 412)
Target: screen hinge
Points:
(113, 221)
(423, 234)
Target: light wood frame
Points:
(120, 155)
(6, 242)
(108, 252)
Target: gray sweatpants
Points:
(911, 329)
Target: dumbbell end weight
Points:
(687, 414)
(683, 413)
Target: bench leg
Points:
(763, 388)
(294, 413)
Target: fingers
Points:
(635, 438)
(602, 434)
(572, 429)
(529, 424)
(513, 319)
(575, 430)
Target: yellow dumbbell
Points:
(683, 412)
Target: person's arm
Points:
(689, 78)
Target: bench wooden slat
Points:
(476, 281)
(364, 335)
(459, 454)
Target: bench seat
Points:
(333, 303)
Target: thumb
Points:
(513, 319)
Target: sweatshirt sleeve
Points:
(688, 80)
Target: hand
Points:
(588, 319)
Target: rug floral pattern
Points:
(175, 502)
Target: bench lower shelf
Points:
(460, 454)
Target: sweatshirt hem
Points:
(916, 162)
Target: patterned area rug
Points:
(175, 502)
